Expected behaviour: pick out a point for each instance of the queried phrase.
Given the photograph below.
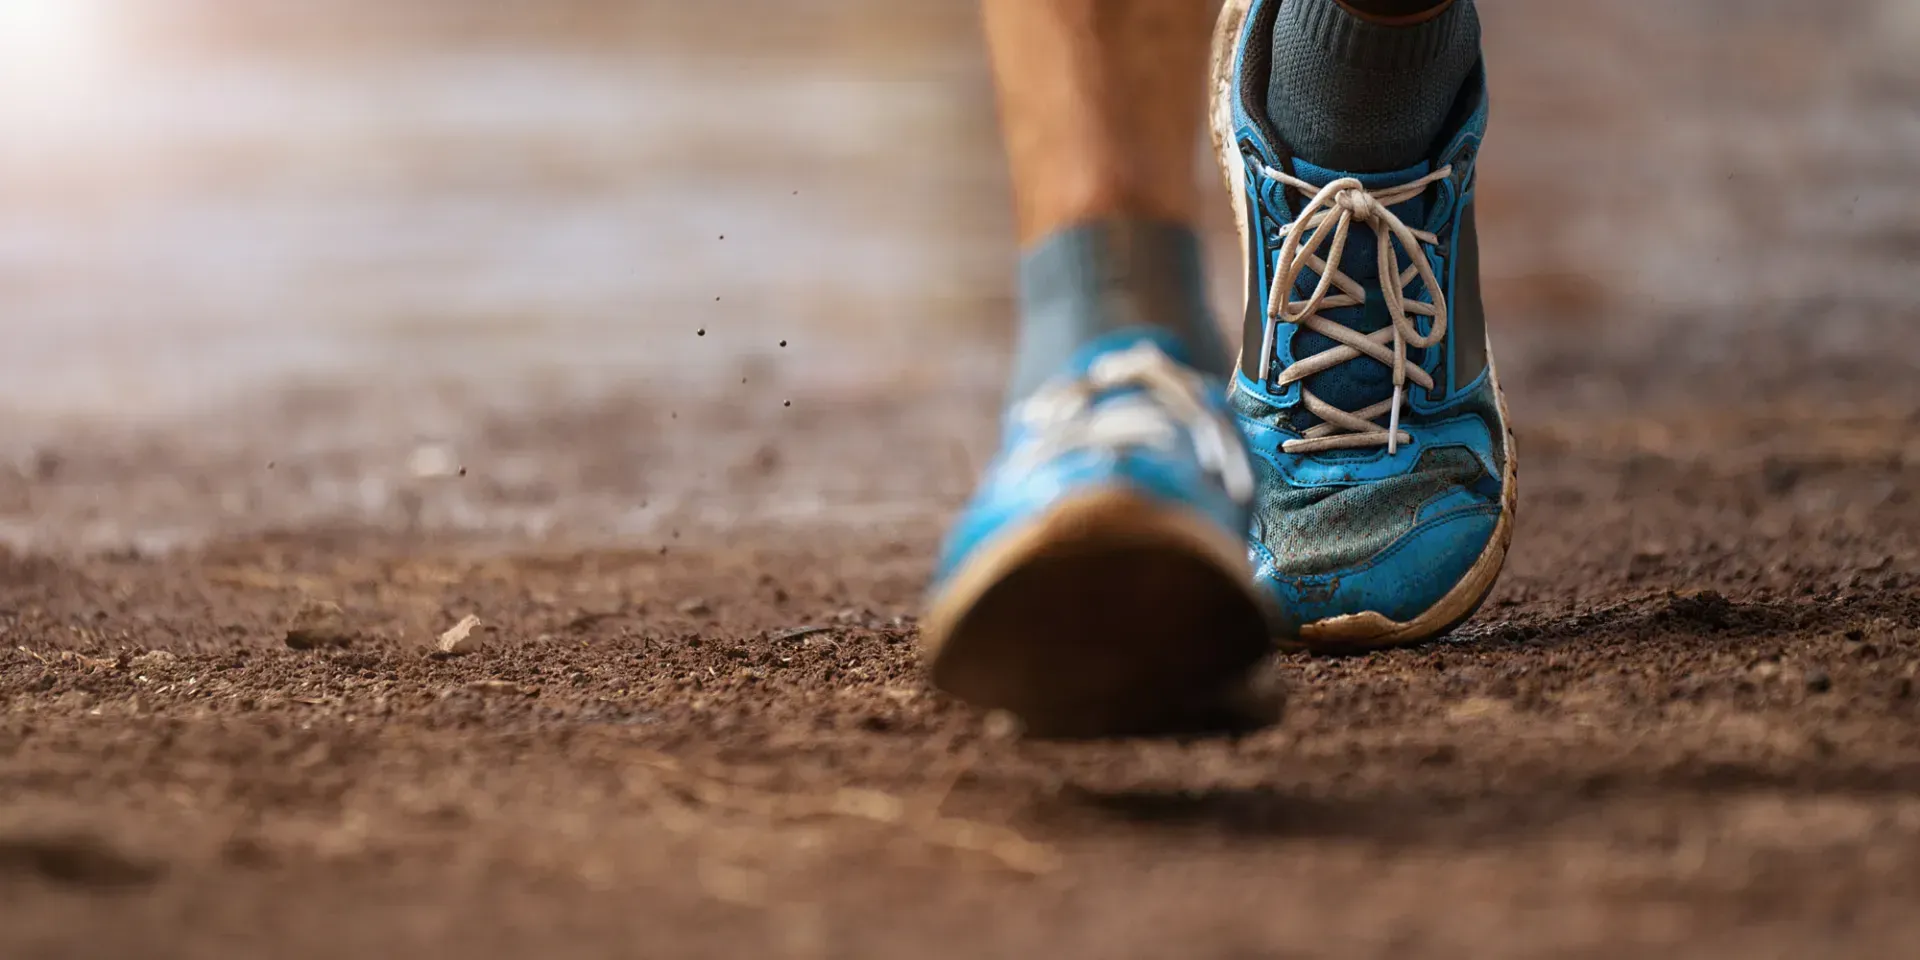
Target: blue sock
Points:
(1105, 275)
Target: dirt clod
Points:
(318, 624)
(153, 660)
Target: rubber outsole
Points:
(1361, 631)
(1111, 615)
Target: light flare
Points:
(51, 49)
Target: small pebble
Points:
(461, 639)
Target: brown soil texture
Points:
(1684, 725)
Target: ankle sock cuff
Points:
(1356, 42)
(1094, 278)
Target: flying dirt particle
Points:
(716, 299)
(783, 343)
(271, 464)
(695, 607)
(317, 624)
(1818, 681)
(787, 403)
(461, 639)
(723, 236)
(463, 471)
(700, 332)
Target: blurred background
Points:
(275, 263)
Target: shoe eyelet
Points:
(1462, 164)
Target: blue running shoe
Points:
(1097, 584)
(1366, 389)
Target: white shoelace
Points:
(1340, 204)
(1064, 417)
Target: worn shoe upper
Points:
(1365, 389)
(1125, 414)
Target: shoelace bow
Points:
(1064, 416)
(1339, 204)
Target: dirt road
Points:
(373, 384)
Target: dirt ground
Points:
(1685, 725)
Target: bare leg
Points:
(1102, 102)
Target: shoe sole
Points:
(1112, 615)
(1356, 631)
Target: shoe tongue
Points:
(1361, 382)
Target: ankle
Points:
(1101, 276)
(1353, 92)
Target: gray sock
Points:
(1108, 275)
(1361, 97)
